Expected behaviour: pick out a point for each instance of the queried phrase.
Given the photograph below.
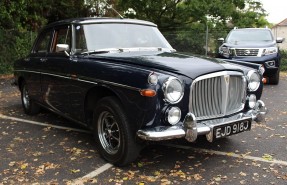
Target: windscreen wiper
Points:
(102, 51)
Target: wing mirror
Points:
(280, 39)
(63, 48)
(220, 40)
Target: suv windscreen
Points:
(92, 37)
(249, 36)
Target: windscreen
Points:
(250, 35)
(115, 35)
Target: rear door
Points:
(34, 62)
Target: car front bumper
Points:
(190, 129)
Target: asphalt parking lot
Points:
(47, 149)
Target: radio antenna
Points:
(111, 7)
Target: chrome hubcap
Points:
(26, 98)
(108, 131)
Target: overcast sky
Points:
(277, 10)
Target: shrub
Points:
(14, 45)
(284, 60)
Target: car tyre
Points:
(114, 135)
(29, 106)
(274, 80)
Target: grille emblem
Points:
(226, 78)
(247, 52)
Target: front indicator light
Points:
(148, 92)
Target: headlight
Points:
(269, 51)
(224, 51)
(173, 115)
(253, 78)
(173, 90)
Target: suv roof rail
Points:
(235, 28)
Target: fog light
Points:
(271, 63)
(251, 101)
(173, 115)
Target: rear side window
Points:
(43, 42)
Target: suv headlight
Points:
(173, 90)
(253, 78)
(269, 51)
(224, 50)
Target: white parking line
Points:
(108, 165)
(92, 174)
(42, 124)
(228, 154)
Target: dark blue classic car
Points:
(122, 79)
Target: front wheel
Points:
(114, 136)
(274, 79)
(29, 106)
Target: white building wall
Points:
(281, 31)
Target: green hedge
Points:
(14, 45)
(284, 60)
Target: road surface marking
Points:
(92, 174)
(108, 165)
(241, 156)
(42, 124)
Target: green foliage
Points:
(183, 22)
(283, 60)
(14, 45)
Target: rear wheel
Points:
(114, 136)
(274, 79)
(29, 106)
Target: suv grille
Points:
(246, 52)
(218, 94)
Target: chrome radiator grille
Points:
(246, 52)
(218, 94)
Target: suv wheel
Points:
(275, 78)
(115, 139)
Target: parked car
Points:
(255, 45)
(122, 79)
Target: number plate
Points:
(231, 128)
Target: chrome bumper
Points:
(191, 128)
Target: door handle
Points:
(43, 59)
(27, 59)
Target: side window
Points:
(81, 45)
(62, 36)
(43, 43)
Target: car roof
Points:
(91, 20)
(239, 29)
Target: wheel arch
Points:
(20, 81)
(92, 97)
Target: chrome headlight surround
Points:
(254, 80)
(173, 115)
(173, 90)
(269, 51)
